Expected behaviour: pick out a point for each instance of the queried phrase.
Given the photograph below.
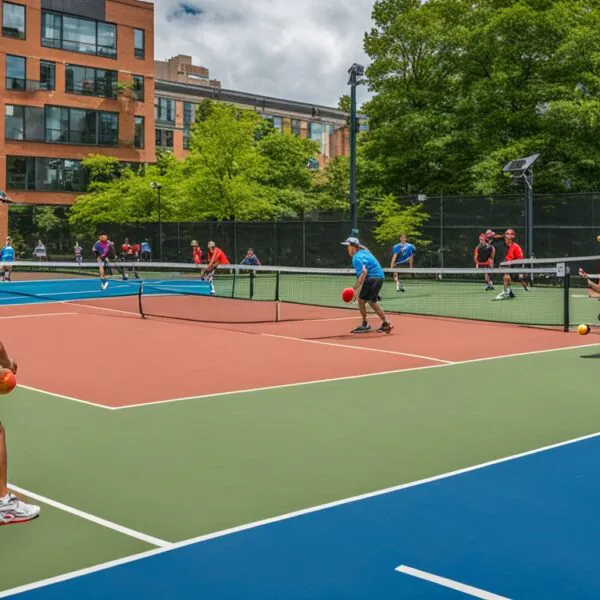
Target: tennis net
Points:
(244, 294)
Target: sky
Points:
(298, 50)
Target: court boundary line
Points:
(352, 347)
(449, 583)
(38, 315)
(63, 397)
(348, 377)
(149, 539)
(287, 516)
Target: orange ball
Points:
(8, 381)
(583, 329)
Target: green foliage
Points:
(239, 167)
(462, 86)
(344, 103)
(333, 183)
(395, 220)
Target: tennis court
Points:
(246, 445)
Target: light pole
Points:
(156, 186)
(4, 201)
(356, 71)
(522, 169)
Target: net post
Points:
(277, 305)
(235, 274)
(566, 272)
(140, 306)
(252, 276)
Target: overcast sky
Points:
(299, 50)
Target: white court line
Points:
(306, 511)
(351, 347)
(92, 518)
(449, 583)
(63, 397)
(40, 315)
(348, 377)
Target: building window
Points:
(186, 138)
(138, 138)
(138, 87)
(79, 35)
(189, 113)
(45, 174)
(47, 75)
(14, 122)
(139, 43)
(164, 138)
(297, 127)
(80, 126)
(164, 110)
(16, 73)
(320, 133)
(91, 82)
(277, 123)
(13, 20)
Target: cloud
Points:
(294, 50)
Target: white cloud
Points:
(300, 50)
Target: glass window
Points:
(277, 123)
(79, 35)
(169, 139)
(13, 20)
(14, 122)
(138, 87)
(108, 129)
(139, 43)
(186, 139)
(15, 72)
(82, 126)
(138, 138)
(17, 170)
(316, 132)
(164, 109)
(34, 124)
(107, 40)
(297, 127)
(51, 30)
(91, 82)
(57, 124)
(164, 138)
(189, 113)
(47, 75)
(72, 176)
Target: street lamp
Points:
(156, 186)
(356, 71)
(522, 169)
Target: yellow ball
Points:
(583, 329)
(598, 238)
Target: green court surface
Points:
(175, 471)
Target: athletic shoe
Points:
(502, 296)
(104, 285)
(489, 288)
(511, 294)
(385, 328)
(12, 510)
(362, 329)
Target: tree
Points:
(394, 220)
(344, 103)
(463, 86)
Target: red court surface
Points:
(101, 355)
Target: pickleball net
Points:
(241, 294)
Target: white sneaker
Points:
(502, 296)
(104, 285)
(12, 510)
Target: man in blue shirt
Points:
(404, 256)
(370, 277)
(251, 259)
(7, 255)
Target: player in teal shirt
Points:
(7, 255)
(370, 278)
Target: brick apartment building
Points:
(76, 77)
(181, 86)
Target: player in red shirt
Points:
(515, 253)
(196, 253)
(216, 257)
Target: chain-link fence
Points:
(565, 225)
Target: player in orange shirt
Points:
(515, 253)
(196, 253)
(216, 257)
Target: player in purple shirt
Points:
(103, 251)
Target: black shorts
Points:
(370, 289)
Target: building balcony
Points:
(16, 84)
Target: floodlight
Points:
(521, 165)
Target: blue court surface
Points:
(88, 288)
(521, 528)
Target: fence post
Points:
(566, 295)
(442, 231)
(303, 239)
